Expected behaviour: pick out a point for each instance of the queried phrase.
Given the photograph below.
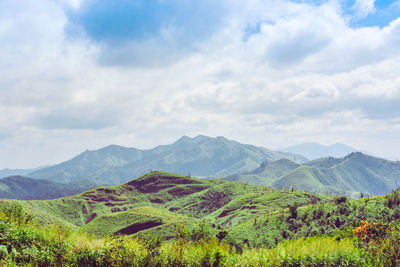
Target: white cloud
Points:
(304, 76)
(364, 7)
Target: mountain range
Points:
(19, 187)
(355, 173)
(200, 156)
(208, 157)
(19, 172)
(315, 150)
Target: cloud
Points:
(145, 32)
(293, 46)
(303, 73)
(364, 7)
(82, 117)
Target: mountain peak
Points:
(358, 155)
(183, 139)
(201, 139)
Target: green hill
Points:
(158, 202)
(266, 174)
(19, 187)
(201, 156)
(352, 174)
(178, 220)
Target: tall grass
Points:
(23, 242)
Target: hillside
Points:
(352, 174)
(158, 202)
(315, 150)
(200, 156)
(24, 188)
(177, 220)
(266, 174)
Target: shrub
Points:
(381, 242)
(370, 231)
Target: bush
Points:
(381, 241)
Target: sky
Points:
(83, 74)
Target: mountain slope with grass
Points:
(158, 202)
(200, 156)
(266, 173)
(354, 174)
(175, 220)
(24, 188)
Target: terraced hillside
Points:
(156, 217)
(159, 202)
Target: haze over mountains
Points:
(315, 150)
(18, 172)
(24, 188)
(200, 156)
(209, 157)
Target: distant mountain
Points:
(16, 172)
(353, 174)
(315, 151)
(200, 156)
(24, 188)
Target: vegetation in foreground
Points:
(164, 219)
(25, 241)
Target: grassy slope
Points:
(266, 174)
(352, 174)
(164, 201)
(26, 243)
(158, 203)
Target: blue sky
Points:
(82, 74)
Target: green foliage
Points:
(13, 212)
(24, 241)
(393, 199)
(381, 241)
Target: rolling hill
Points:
(24, 188)
(158, 202)
(353, 174)
(315, 150)
(200, 156)
(175, 220)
